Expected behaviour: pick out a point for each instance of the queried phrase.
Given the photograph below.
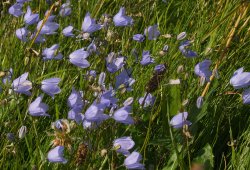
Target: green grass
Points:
(222, 119)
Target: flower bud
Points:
(22, 132)
(199, 102)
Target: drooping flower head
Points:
(114, 63)
(37, 108)
(48, 28)
(52, 53)
(139, 37)
(67, 31)
(89, 25)
(202, 69)
(148, 101)
(22, 85)
(185, 51)
(120, 19)
(56, 155)
(16, 9)
(146, 58)
(240, 79)
(30, 18)
(65, 9)
(124, 80)
(95, 113)
(133, 161)
(22, 34)
(78, 58)
(50, 86)
(179, 120)
(122, 115)
(246, 96)
(123, 145)
(152, 32)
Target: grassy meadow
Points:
(219, 136)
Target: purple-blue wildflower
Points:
(16, 9)
(123, 145)
(52, 53)
(148, 101)
(48, 28)
(179, 120)
(185, 51)
(95, 113)
(65, 9)
(92, 48)
(202, 69)
(56, 155)
(133, 161)
(78, 58)
(22, 85)
(146, 58)
(67, 31)
(37, 108)
(114, 63)
(76, 115)
(152, 32)
(75, 99)
(159, 68)
(39, 39)
(89, 25)
(122, 115)
(120, 19)
(50, 86)
(240, 79)
(139, 37)
(108, 98)
(30, 18)
(22, 34)
(124, 80)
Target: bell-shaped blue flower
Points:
(146, 58)
(139, 37)
(148, 101)
(202, 69)
(37, 108)
(133, 161)
(114, 63)
(120, 19)
(95, 113)
(78, 58)
(179, 120)
(185, 51)
(22, 85)
(123, 145)
(30, 18)
(240, 79)
(67, 31)
(48, 28)
(89, 25)
(65, 9)
(50, 86)
(16, 9)
(122, 115)
(152, 32)
(56, 155)
(52, 53)
(22, 34)
(124, 79)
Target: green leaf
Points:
(205, 157)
